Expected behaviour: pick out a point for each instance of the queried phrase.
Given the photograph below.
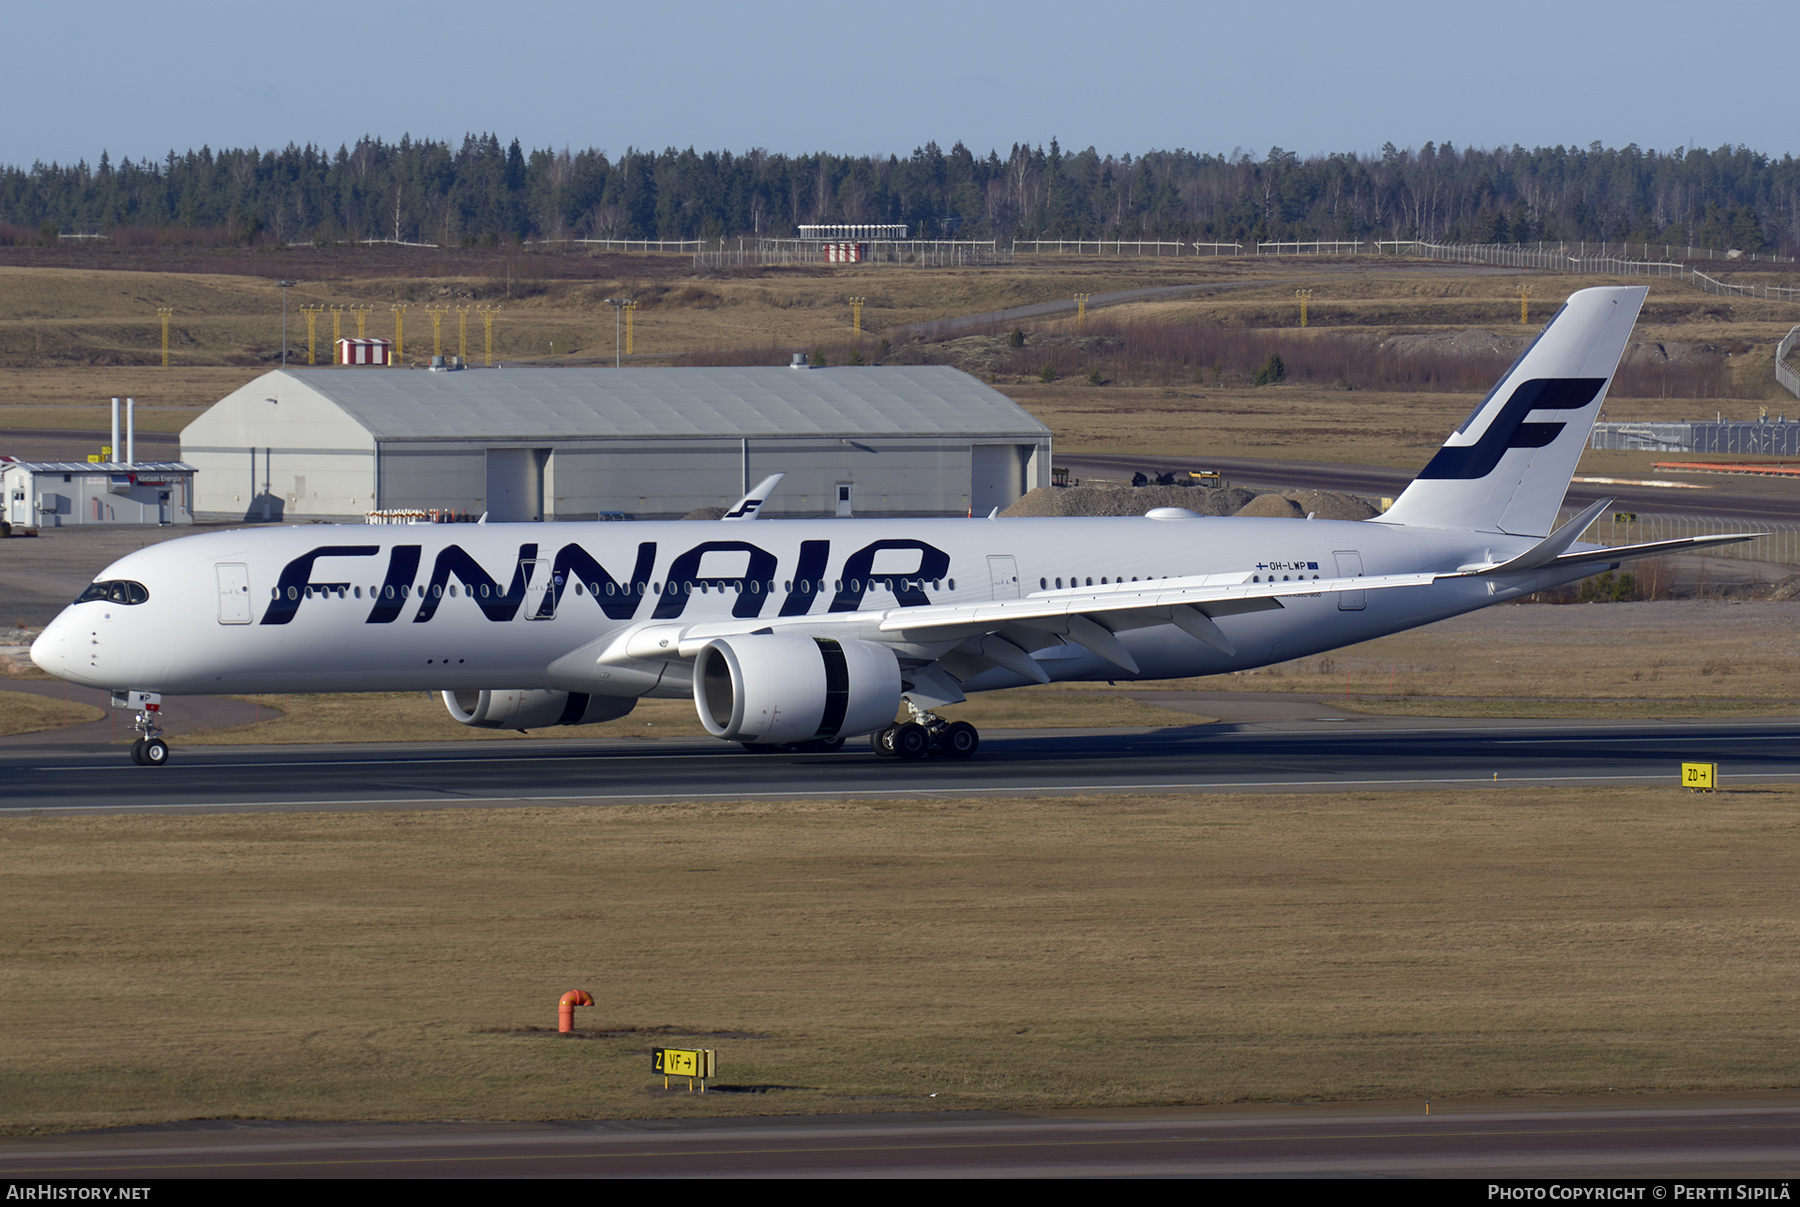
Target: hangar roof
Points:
(532, 403)
(99, 467)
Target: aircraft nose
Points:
(51, 651)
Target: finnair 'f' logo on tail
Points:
(1507, 467)
(1509, 429)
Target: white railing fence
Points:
(938, 253)
(1786, 376)
(683, 246)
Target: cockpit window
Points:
(119, 591)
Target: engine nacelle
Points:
(534, 709)
(783, 687)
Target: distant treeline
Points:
(437, 192)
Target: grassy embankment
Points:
(865, 956)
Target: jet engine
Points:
(777, 688)
(534, 709)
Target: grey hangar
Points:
(521, 444)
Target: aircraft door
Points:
(1003, 573)
(234, 592)
(540, 599)
(1349, 565)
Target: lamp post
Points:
(618, 305)
(285, 286)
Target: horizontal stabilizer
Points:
(1552, 552)
(1554, 545)
(1626, 553)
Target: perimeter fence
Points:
(671, 245)
(1574, 257)
(927, 253)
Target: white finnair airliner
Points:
(799, 634)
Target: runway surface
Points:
(1331, 754)
(1757, 1136)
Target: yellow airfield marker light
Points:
(691, 1063)
(856, 305)
(437, 314)
(1305, 296)
(1524, 306)
(1700, 777)
(462, 333)
(630, 315)
(337, 327)
(165, 312)
(487, 325)
(312, 323)
(1081, 301)
(362, 320)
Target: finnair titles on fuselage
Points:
(800, 634)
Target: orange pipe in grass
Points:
(565, 1009)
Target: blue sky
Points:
(140, 79)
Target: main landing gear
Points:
(149, 750)
(926, 734)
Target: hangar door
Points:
(515, 484)
(996, 475)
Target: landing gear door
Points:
(1349, 565)
(540, 598)
(234, 592)
(1003, 572)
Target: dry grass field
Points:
(21, 713)
(867, 956)
(71, 338)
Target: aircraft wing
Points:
(1002, 632)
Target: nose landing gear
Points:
(149, 750)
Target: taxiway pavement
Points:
(1327, 754)
(1720, 1137)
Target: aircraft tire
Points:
(959, 740)
(156, 753)
(910, 741)
(882, 741)
(137, 752)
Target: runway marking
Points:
(952, 791)
(673, 1149)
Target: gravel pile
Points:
(1127, 500)
(1230, 500)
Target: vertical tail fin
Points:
(1508, 466)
